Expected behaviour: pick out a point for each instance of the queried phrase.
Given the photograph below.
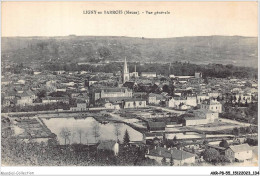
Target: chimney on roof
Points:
(148, 151)
(155, 147)
(160, 152)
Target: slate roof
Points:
(201, 113)
(240, 148)
(175, 153)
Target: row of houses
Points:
(241, 152)
(184, 103)
(177, 157)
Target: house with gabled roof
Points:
(178, 157)
(240, 152)
(201, 117)
(25, 98)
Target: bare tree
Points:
(117, 130)
(72, 136)
(86, 135)
(80, 131)
(95, 130)
(65, 134)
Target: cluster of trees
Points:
(213, 156)
(107, 68)
(252, 141)
(15, 152)
(237, 101)
(224, 143)
(18, 153)
(247, 114)
(166, 142)
(164, 163)
(154, 88)
(68, 136)
(176, 68)
(244, 130)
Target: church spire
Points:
(125, 72)
(125, 67)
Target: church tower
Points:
(126, 74)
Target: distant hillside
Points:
(236, 50)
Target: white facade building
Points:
(212, 105)
(149, 74)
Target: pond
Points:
(106, 131)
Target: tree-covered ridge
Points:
(241, 51)
(176, 68)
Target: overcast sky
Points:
(185, 19)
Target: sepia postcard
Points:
(109, 83)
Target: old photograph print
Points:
(129, 84)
